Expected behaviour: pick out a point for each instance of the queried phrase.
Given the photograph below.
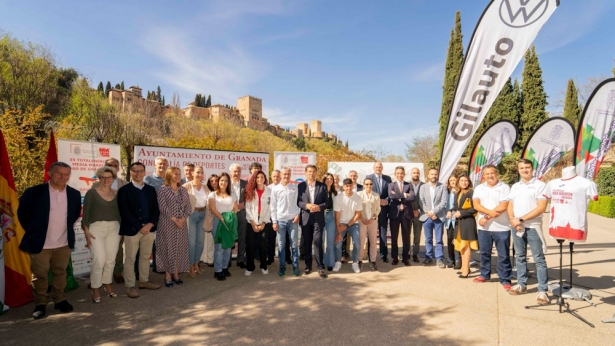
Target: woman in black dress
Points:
(466, 238)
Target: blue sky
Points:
(371, 71)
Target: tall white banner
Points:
(503, 34)
(549, 142)
(212, 161)
(296, 161)
(84, 159)
(495, 144)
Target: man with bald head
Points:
(381, 187)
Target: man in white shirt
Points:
(432, 201)
(356, 187)
(238, 188)
(285, 219)
(347, 207)
(275, 180)
(525, 210)
(491, 201)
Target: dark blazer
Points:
(359, 187)
(33, 214)
(396, 198)
(386, 180)
(415, 204)
(320, 197)
(129, 204)
(466, 223)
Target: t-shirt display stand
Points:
(567, 198)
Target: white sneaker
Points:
(264, 271)
(247, 273)
(543, 298)
(355, 267)
(337, 266)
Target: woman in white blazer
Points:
(368, 224)
(258, 215)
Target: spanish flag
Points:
(17, 275)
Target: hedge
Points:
(604, 206)
(605, 180)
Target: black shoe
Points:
(307, 270)
(170, 283)
(450, 264)
(178, 281)
(406, 262)
(360, 265)
(220, 276)
(385, 260)
(241, 265)
(63, 306)
(226, 273)
(457, 265)
(39, 312)
(210, 265)
(373, 265)
(415, 258)
(395, 261)
(329, 268)
(322, 274)
(427, 261)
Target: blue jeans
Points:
(330, 233)
(221, 256)
(502, 244)
(430, 227)
(196, 235)
(293, 229)
(354, 234)
(531, 237)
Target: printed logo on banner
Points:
(556, 132)
(104, 152)
(304, 159)
(521, 13)
(75, 149)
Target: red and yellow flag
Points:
(16, 262)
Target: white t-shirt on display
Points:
(491, 197)
(569, 199)
(524, 198)
(347, 206)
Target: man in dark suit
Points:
(356, 187)
(381, 187)
(401, 195)
(47, 213)
(238, 188)
(416, 224)
(312, 200)
(139, 211)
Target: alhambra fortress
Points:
(248, 113)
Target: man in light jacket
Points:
(432, 201)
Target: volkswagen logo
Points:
(521, 13)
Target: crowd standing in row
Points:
(198, 219)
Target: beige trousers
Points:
(40, 263)
(370, 231)
(143, 244)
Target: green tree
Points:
(572, 108)
(197, 100)
(158, 94)
(346, 144)
(163, 100)
(101, 89)
(452, 69)
(29, 77)
(208, 103)
(118, 86)
(122, 85)
(533, 96)
(107, 88)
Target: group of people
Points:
(179, 222)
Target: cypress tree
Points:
(163, 100)
(346, 144)
(118, 86)
(101, 88)
(452, 69)
(158, 95)
(518, 106)
(572, 111)
(122, 85)
(533, 95)
(197, 100)
(208, 103)
(107, 88)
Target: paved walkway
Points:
(397, 305)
